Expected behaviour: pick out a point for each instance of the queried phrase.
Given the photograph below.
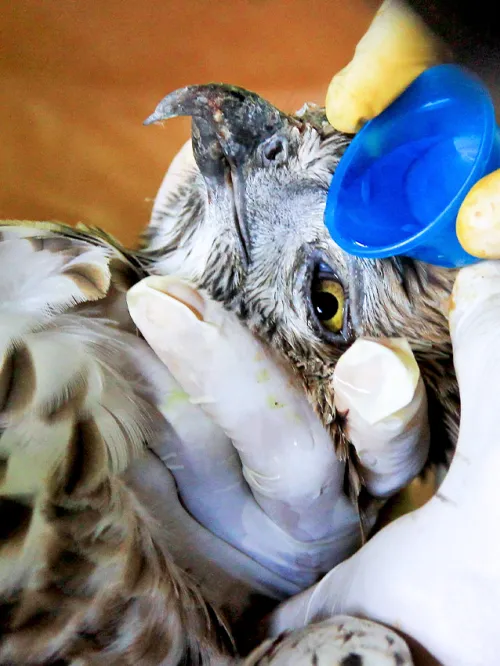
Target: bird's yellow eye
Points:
(328, 303)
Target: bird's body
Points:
(86, 576)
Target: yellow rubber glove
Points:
(478, 221)
(396, 49)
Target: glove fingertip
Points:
(344, 111)
(376, 380)
(478, 220)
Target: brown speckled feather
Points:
(85, 571)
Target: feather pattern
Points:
(85, 571)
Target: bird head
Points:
(240, 215)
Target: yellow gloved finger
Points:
(396, 49)
(478, 221)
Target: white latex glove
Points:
(435, 573)
(251, 460)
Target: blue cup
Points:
(401, 182)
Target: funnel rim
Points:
(406, 243)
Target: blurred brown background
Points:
(79, 77)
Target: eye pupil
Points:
(326, 305)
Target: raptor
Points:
(86, 576)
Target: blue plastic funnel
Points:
(401, 182)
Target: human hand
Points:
(434, 574)
(251, 460)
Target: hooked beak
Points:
(228, 125)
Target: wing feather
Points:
(79, 390)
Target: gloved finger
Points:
(226, 576)
(396, 49)
(287, 456)
(197, 451)
(378, 386)
(474, 321)
(478, 220)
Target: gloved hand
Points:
(252, 463)
(434, 574)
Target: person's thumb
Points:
(378, 387)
